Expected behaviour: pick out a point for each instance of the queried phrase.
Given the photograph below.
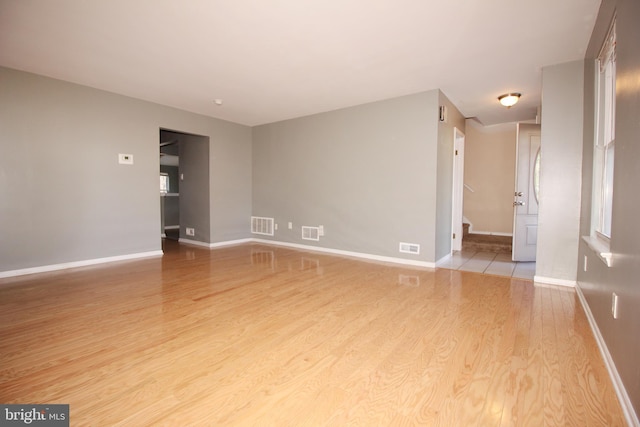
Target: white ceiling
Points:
(272, 60)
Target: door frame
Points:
(457, 190)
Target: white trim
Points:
(215, 244)
(348, 253)
(457, 190)
(600, 247)
(74, 264)
(445, 259)
(172, 227)
(537, 280)
(193, 242)
(230, 243)
(623, 397)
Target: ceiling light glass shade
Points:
(509, 99)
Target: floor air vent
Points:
(262, 225)
(409, 248)
(310, 233)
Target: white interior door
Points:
(525, 201)
(458, 187)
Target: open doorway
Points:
(184, 187)
(488, 195)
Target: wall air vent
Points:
(262, 225)
(409, 248)
(310, 233)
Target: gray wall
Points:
(366, 173)
(64, 196)
(194, 189)
(599, 282)
(560, 171)
(444, 192)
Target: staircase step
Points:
(486, 243)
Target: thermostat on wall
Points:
(125, 159)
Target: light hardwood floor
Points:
(266, 336)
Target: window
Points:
(164, 183)
(605, 138)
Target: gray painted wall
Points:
(366, 173)
(194, 191)
(64, 196)
(599, 282)
(560, 171)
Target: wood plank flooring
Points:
(267, 336)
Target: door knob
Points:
(518, 203)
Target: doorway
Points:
(184, 194)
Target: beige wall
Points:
(489, 169)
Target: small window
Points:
(164, 183)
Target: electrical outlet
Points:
(585, 263)
(191, 231)
(321, 230)
(290, 225)
(125, 159)
(275, 226)
(614, 305)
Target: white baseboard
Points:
(621, 392)
(230, 243)
(74, 264)
(371, 257)
(216, 244)
(541, 280)
(443, 260)
(361, 255)
(193, 242)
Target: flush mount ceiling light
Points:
(509, 99)
(217, 101)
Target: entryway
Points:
(489, 202)
(184, 187)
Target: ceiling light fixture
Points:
(217, 101)
(509, 99)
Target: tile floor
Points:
(489, 263)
